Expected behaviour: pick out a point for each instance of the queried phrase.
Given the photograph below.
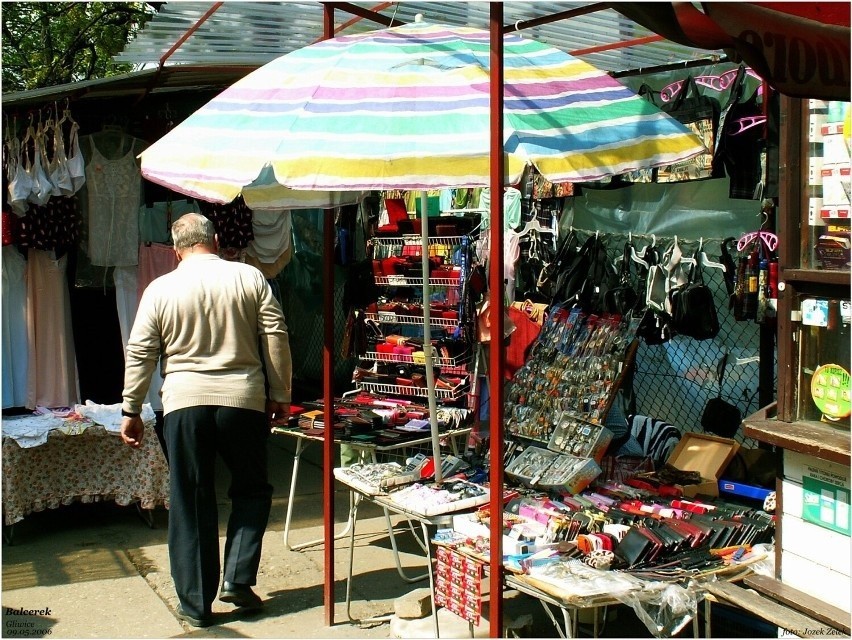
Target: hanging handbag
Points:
(693, 309)
(730, 273)
(700, 114)
(622, 298)
(719, 416)
(548, 280)
(360, 288)
(354, 342)
(600, 279)
(654, 327)
(587, 277)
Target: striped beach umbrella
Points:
(408, 108)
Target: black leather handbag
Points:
(622, 298)
(720, 416)
(693, 309)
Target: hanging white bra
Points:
(60, 177)
(21, 184)
(76, 164)
(41, 186)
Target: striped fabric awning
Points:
(408, 108)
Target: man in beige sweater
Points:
(221, 340)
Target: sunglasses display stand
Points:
(393, 363)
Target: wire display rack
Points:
(410, 390)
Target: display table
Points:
(570, 604)
(367, 451)
(389, 506)
(85, 463)
(577, 588)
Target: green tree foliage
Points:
(51, 43)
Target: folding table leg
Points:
(301, 445)
(431, 577)
(556, 625)
(353, 517)
(147, 515)
(399, 568)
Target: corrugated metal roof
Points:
(136, 83)
(253, 33)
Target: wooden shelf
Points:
(820, 276)
(809, 437)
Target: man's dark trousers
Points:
(194, 436)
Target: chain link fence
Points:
(673, 381)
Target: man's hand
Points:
(132, 430)
(277, 412)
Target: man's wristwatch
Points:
(128, 414)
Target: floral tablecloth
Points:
(89, 466)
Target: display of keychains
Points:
(573, 367)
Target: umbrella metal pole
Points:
(427, 341)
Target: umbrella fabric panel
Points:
(409, 108)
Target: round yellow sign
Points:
(830, 390)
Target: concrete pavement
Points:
(98, 570)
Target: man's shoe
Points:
(204, 621)
(240, 595)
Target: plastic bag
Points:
(664, 608)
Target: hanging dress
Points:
(20, 185)
(154, 260)
(114, 189)
(60, 177)
(52, 372)
(14, 328)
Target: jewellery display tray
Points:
(448, 507)
(391, 474)
(576, 436)
(546, 469)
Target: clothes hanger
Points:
(746, 122)
(649, 255)
(534, 225)
(769, 239)
(533, 251)
(637, 257)
(705, 261)
(766, 237)
(29, 132)
(672, 255)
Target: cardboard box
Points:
(708, 455)
(834, 252)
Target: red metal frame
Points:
(328, 384)
(497, 353)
